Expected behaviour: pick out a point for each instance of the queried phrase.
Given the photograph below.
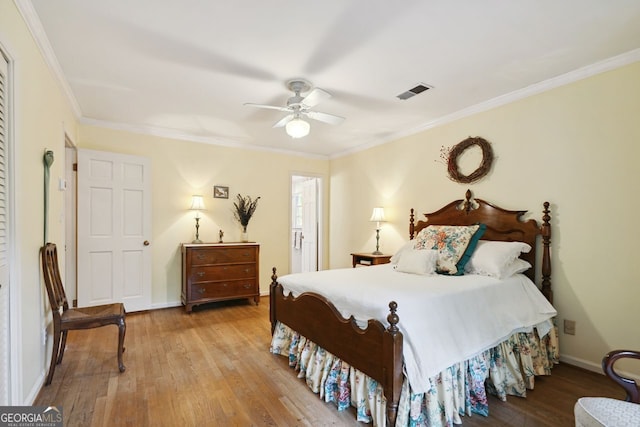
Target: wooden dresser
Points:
(219, 271)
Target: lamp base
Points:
(377, 251)
(197, 239)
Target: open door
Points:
(305, 223)
(309, 225)
(70, 211)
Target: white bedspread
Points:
(444, 319)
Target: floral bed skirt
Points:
(461, 389)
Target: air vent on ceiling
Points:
(414, 91)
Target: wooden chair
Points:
(598, 411)
(66, 319)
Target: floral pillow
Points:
(454, 244)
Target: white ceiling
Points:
(184, 68)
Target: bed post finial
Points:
(411, 225)
(392, 353)
(272, 300)
(393, 318)
(545, 230)
(467, 201)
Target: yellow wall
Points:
(41, 116)
(181, 169)
(577, 147)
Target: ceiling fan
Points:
(299, 106)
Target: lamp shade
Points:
(197, 203)
(297, 128)
(377, 215)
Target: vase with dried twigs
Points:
(244, 208)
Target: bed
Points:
(373, 343)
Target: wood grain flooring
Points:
(213, 368)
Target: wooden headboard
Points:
(502, 225)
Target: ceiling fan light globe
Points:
(297, 128)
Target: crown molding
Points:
(26, 9)
(184, 136)
(609, 64)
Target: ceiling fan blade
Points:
(269, 107)
(316, 96)
(283, 121)
(324, 117)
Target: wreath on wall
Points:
(456, 151)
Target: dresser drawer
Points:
(222, 255)
(224, 289)
(222, 272)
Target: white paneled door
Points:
(114, 229)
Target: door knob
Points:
(146, 243)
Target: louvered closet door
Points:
(4, 258)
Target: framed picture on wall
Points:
(220, 192)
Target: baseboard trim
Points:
(594, 367)
(166, 305)
(172, 304)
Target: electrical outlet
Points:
(569, 327)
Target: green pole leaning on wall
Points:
(48, 161)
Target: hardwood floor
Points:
(213, 368)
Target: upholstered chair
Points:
(603, 411)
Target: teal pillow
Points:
(455, 245)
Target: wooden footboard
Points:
(376, 350)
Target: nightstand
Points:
(367, 259)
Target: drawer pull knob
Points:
(247, 286)
(201, 256)
(246, 270)
(200, 273)
(225, 285)
(201, 290)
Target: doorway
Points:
(306, 230)
(70, 215)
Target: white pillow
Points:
(517, 266)
(418, 261)
(495, 259)
(406, 247)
